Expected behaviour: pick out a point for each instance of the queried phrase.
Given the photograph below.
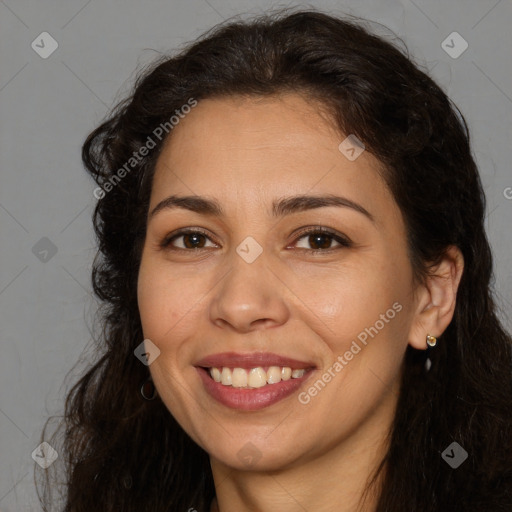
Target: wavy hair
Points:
(122, 453)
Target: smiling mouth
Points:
(253, 378)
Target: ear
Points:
(436, 298)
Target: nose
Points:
(249, 297)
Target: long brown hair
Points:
(122, 453)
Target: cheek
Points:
(172, 299)
(365, 315)
(349, 297)
(164, 300)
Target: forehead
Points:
(252, 148)
(234, 126)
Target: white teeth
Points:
(274, 375)
(226, 376)
(239, 378)
(286, 373)
(255, 377)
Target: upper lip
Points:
(251, 360)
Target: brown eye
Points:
(317, 240)
(321, 240)
(190, 239)
(193, 240)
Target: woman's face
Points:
(257, 287)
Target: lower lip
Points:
(250, 399)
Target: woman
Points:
(296, 278)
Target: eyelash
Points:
(342, 240)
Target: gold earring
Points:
(431, 340)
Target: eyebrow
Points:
(280, 207)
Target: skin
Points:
(246, 153)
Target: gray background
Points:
(48, 106)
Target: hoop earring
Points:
(148, 390)
(431, 342)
